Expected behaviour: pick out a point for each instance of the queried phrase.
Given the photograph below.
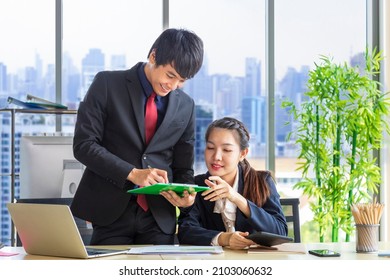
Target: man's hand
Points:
(147, 177)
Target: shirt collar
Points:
(225, 206)
(146, 86)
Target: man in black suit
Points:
(110, 141)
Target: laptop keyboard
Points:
(93, 251)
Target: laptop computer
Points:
(50, 230)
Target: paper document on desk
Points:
(173, 249)
(285, 248)
(383, 253)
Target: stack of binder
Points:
(36, 103)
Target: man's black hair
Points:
(180, 48)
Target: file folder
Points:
(156, 189)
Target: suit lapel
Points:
(137, 101)
(173, 104)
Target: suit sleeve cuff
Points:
(214, 241)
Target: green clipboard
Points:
(160, 187)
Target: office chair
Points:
(291, 211)
(85, 232)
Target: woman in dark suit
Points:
(136, 128)
(241, 200)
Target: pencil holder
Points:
(367, 238)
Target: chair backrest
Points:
(291, 211)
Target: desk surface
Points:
(347, 251)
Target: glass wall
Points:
(231, 81)
(27, 49)
(27, 52)
(114, 35)
(304, 30)
(117, 34)
(110, 38)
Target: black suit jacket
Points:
(110, 141)
(200, 225)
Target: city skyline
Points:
(117, 62)
(299, 25)
(95, 60)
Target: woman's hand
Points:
(235, 240)
(219, 189)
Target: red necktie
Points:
(150, 128)
(150, 117)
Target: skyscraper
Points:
(92, 63)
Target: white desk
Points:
(347, 251)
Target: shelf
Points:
(37, 111)
(13, 112)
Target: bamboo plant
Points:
(340, 127)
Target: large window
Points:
(27, 52)
(104, 35)
(304, 30)
(113, 35)
(231, 81)
(27, 48)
